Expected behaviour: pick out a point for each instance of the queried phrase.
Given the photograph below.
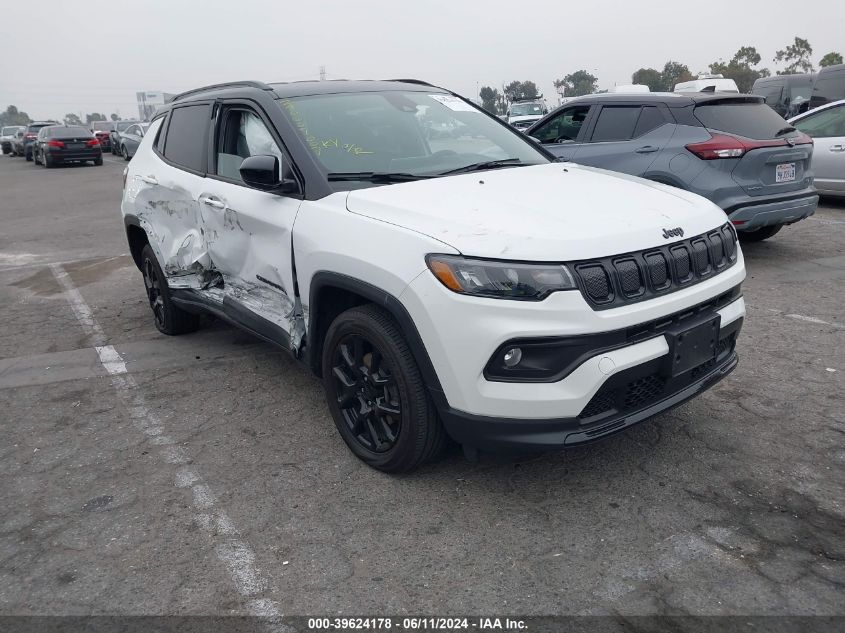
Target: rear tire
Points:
(35, 158)
(760, 234)
(376, 394)
(98, 161)
(169, 318)
(27, 155)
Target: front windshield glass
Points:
(526, 109)
(405, 132)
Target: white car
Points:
(7, 136)
(826, 125)
(462, 286)
(522, 114)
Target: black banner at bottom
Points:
(403, 624)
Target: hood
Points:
(553, 212)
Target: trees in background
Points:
(796, 56)
(578, 83)
(649, 77)
(13, 116)
(831, 59)
(521, 90)
(741, 68)
(665, 80)
(491, 100)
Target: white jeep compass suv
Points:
(465, 285)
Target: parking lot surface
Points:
(144, 474)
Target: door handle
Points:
(837, 148)
(647, 149)
(150, 180)
(212, 202)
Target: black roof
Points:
(671, 99)
(334, 86)
(313, 87)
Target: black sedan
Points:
(59, 144)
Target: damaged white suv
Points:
(460, 284)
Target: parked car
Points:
(468, 286)
(60, 144)
(523, 112)
(731, 149)
(130, 138)
(7, 135)
(828, 86)
(114, 135)
(22, 145)
(707, 83)
(826, 125)
(102, 131)
(787, 95)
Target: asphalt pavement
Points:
(203, 475)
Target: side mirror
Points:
(263, 172)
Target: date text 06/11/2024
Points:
(416, 624)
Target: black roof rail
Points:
(231, 84)
(413, 81)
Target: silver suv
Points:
(732, 149)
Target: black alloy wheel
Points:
(169, 318)
(376, 394)
(367, 394)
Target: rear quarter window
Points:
(186, 134)
(751, 120)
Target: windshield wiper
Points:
(489, 164)
(374, 176)
(785, 130)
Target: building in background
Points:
(149, 102)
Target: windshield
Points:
(124, 125)
(403, 131)
(526, 109)
(10, 130)
(751, 120)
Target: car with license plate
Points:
(63, 144)
(22, 145)
(826, 126)
(463, 285)
(732, 149)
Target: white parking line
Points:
(231, 550)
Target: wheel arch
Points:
(332, 293)
(137, 238)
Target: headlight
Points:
(500, 279)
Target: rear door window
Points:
(616, 123)
(751, 120)
(186, 134)
(650, 119)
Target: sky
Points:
(94, 55)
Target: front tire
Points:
(169, 318)
(760, 234)
(376, 394)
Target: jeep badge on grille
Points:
(676, 232)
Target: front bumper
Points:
(494, 434)
(789, 210)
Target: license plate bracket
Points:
(690, 345)
(785, 172)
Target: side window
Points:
(824, 124)
(242, 134)
(185, 143)
(162, 133)
(650, 119)
(564, 126)
(616, 123)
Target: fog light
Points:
(512, 357)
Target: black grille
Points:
(643, 390)
(600, 403)
(658, 269)
(615, 281)
(596, 283)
